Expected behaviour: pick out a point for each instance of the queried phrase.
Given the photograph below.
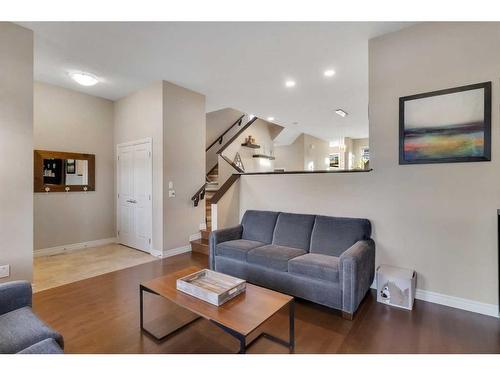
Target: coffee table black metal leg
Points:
(242, 339)
(141, 307)
(292, 326)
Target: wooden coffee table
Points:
(239, 317)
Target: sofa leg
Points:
(347, 316)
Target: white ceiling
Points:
(238, 65)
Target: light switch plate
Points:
(5, 270)
(170, 185)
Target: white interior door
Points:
(134, 188)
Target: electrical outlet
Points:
(5, 270)
(171, 193)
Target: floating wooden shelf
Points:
(250, 145)
(264, 156)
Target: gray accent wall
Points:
(138, 116)
(67, 120)
(184, 131)
(16, 144)
(438, 219)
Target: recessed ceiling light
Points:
(84, 79)
(341, 112)
(329, 73)
(290, 83)
(270, 118)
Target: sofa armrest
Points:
(14, 295)
(219, 236)
(357, 270)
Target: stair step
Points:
(205, 234)
(200, 246)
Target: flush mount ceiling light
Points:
(270, 118)
(84, 79)
(290, 83)
(329, 73)
(341, 112)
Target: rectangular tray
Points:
(210, 286)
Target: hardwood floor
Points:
(101, 315)
(60, 269)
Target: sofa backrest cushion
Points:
(293, 230)
(334, 235)
(259, 225)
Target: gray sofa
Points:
(327, 260)
(20, 329)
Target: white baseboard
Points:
(171, 252)
(177, 250)
(455, 302)
(195, 236)
(156, 253)
(203, 226)
(72, 247)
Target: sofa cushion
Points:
(316, 266)
(237, 249)
(334, 235)
(293, 230)
(47, 346)
(273, 256)
(21, 328)
(259, 225)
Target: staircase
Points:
(211, 186)
(201, 245)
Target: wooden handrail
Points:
(219, 138)
(225, 187)
(233, 138)
(226, 159)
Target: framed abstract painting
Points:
(446, 126)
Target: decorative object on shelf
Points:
(210, 286)
(238, 162)
(396, 286)
(250, 140)
(446, 126)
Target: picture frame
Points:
(446, 126)
(70, 166)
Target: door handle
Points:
(131, 201)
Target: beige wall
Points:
(291, 157)
(66, 120)
(16, 145)
(263, 133)
(219, 121)
(304, 150)
(184, 125)
(316, 151)
(226, 213)
(138, 116)
(438, 219)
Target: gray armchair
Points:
(20, 329)
(327, 260)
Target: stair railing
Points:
(220, 138)
(200, 194)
